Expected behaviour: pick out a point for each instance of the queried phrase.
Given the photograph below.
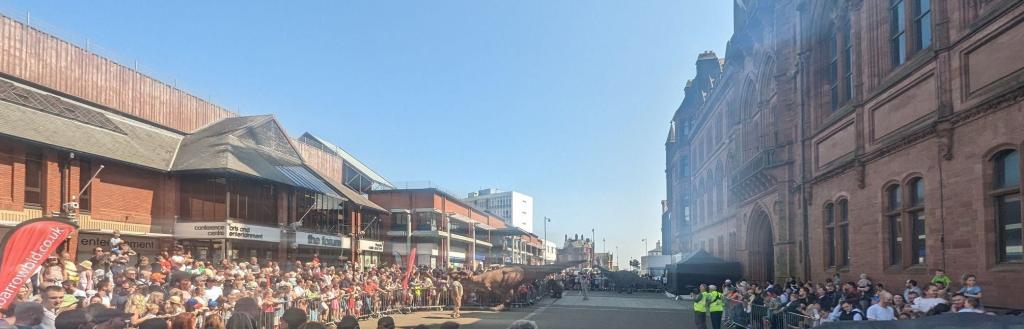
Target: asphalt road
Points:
(602, 310)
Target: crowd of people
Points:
(808, 304)
(118, 288)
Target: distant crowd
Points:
(836, 300)
(118, 288)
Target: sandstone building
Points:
(857, 136)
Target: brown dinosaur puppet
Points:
(500, 284)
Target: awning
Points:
(302, 177)
(356, 197)
(462, 218)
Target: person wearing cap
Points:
(85, 277)
(174, 305)
(716, 305)
(71, 295)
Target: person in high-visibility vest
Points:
(700, 308)
(716, 305)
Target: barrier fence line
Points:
(366, 305)
(372, 305)
(745, 314)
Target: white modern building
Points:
(654, 262)
(514, 207)
(550, 252)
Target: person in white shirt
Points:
(930, 299)
(883, 310)
(116, 239)
(213, 289)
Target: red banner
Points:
(409, 266)
(25, 248)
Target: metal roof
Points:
(349, 158)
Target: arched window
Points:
(894, 220)
(840, 63)
(910, 206)
(897, 32)
(830, 235)
(915, 212)
(844, 232)
(1005, 194)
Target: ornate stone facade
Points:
(786, 154)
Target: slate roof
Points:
(252, 145)
(33, 115)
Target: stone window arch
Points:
(1004, 190)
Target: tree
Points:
(634, 263)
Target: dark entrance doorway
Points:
(761, 264)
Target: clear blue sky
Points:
(568, 101)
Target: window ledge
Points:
(1007, 267)
(833, 269)
(916, 269)
(893, 269)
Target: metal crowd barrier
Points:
(386, 302)
(396, 301)
(742, 314)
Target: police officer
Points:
(700, 308)
(716, 304)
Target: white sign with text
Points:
(222, 230)
(322, 240)
(371, 245)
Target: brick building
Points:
(447, 231)
(860, 136)
(175, 168)
(576, 249)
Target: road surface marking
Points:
(537, 311)
(625, 309)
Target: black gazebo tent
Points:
(700, 267)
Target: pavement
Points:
(602, 310)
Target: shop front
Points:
(330, 248)
(213, 241)
(371, 252)
(148, 246)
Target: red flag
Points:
(25, 248)
(408, 268)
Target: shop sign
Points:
(200, 230)
(221, 230)
(371, 245)
(253, 232)
(88, 241)
(322, 240)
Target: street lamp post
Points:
(616, 256)
(408, 237)
(546, 220)
(642, 255)
(593, 247)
